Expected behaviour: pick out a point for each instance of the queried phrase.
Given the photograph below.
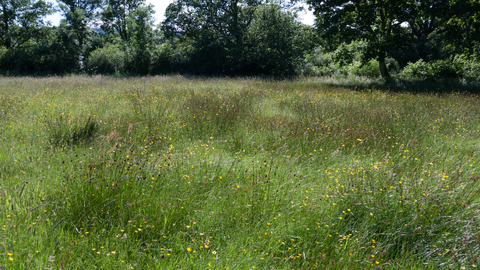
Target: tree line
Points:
(433, 38)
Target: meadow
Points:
(191, 173)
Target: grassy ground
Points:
(167, 172)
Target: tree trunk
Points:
(381, 60)
(383, 69)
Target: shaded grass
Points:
(405, 85)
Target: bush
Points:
(370, 69)
(419, 69)
(471, 68)
(138, 61)
(459, 66)
(3, 52)
(319, 63)
(21, 59)
(107, 60)
(162, 59)
(346, 59)
(448, 68)
(55, 53)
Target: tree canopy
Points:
(431, 38)
(115, 14)
(20, 20)
(216, 28)
(384, 23)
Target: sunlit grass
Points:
(235, 174)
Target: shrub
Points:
(107, 60)
(3, 52)
(162, 59)
(419, 69)
(54, 53)
(21, 59)
(459, 66)
(471, 68)
(319, 63)
(370, 69)
(448, 68)
(346, 59)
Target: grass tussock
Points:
(65, 130)
(179, 173)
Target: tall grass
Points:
(168, 172)
(66, 131)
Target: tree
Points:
(375, 21)
(216, 29)
(459, 27)
(50, 52)
(275, 41)
(424, 27)
(438, 28)
(225, 19)
(78, 13)
(21, 20)
(114, 16)
(140, 26)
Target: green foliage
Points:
(163, 59)
(140, 26)
(431, 29)
(244, 37)
(374, 22)
(78, 14)
(115, 17)
(133, 23)
(55, 52)
(447, 68)
(21, 20)
(214, 29)
(30, 57)
(77, 33)
(271, 39)
(346, 54)
(471, 69)
(319, 63)
(442, 29)
(370, 69)
(419, 69)
(236, 37)
(110, 59)
(460, 66)
(3, 51)
(346, 59)
(19, 59)
(227, 20)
